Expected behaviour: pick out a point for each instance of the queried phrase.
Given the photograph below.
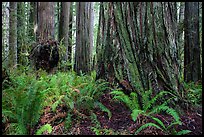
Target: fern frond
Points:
(147, 125)
(95, 121)
(46, 127)
(173, 123)
(183, 132)
(85, 102)
(93, 75)
(159, 122)
(8, 113)
(68, 100)
(168, 110)
(117, 92)
(146, 97)
(153, 100)
(119, 95)
(99, 89)
(135, 103)
(173, 113)
(56, 103)
(135, 114)
(104, 108)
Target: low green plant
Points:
(103, 108)
(193, 93)
(82, 92)
(68, 121)
(46, 127)
(169, 130)
(97, 129)
(149, 107)
(22, 103)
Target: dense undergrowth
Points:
(24, 100)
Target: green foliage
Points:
(145, 126)
(22, 103)
(97, 129)
(95, 120)
(193, 93)
(183, 132)
(102, 131)
(104, 108)
(68, 121)
(150, 107)
(131, 102)
(46, 127)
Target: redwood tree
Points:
(192, 64)
(82, 49)
(64, 27)
(45, 20)
(13, 34)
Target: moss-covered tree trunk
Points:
(141, 39)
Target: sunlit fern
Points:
(46, 127)
(22, 103)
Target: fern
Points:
(134, 101)
(95, 120)
(169, 111)
(145, 126)
(135, 114)
(103, 108)
(57, 103)
(183, 132)
(46, 127)
(98, 90)
(31, 95)
(148, 110)
(96, 130)
(146, 98)
(85, 102)
(159, 122)
(68, 121)
(153, 100)
(24, 103)
(119, 95)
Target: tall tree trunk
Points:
(5, 33)
(45, 21)
(64, 27)
(33, 20)
(70, 33)
(21, 33)
(82, 50)
(13, 35)
(145, 44)
(192, 64)
(91, 29)
(45, 54)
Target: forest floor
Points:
(120, 123)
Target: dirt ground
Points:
(120, 123)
